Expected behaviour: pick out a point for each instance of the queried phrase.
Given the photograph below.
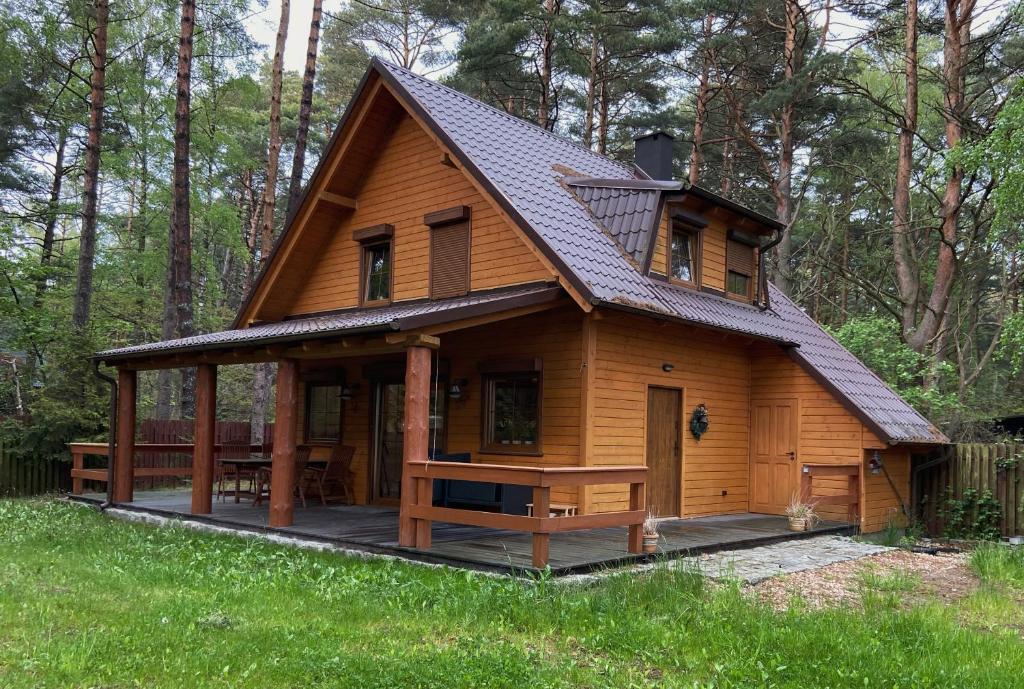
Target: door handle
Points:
(792, 455)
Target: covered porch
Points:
(391, 383)
(374, 529)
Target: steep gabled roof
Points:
(535, 176)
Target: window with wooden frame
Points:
(739, 265)
(684, 254)
(449, 252)
(324, 409)
(512, 410)
(375, 268)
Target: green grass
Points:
(999, 564)
(87, 601)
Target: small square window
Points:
(684, 255)
(512, 413)
(738, 283)
(323, 412)
(377, 273)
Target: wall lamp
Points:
(348, 391)
(457, 389)
(667, 367)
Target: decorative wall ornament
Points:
(699, 421)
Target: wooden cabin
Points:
(460, 284)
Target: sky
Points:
(262, 25)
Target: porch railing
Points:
(80, 474)
(542, 480)
(847, 475)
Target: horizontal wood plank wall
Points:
(406, 181)
(552, 336)
(659, 262)
(881, 505)
(829, 433)
(711, 368)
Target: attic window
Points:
(739, 259)
(449, 252)
(684, 254)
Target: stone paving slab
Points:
(757, 564)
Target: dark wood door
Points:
(773, 465)
(664, 459)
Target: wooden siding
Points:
(406, 181)
(552, 336)
(710, 368)
(830, 434)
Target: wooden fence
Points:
(31, 476)
(997, 468)
(170, 431)
(21, 476)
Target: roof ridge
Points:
(517, 120)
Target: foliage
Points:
(974, 515)
(875, 340)
(87, 601)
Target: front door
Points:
(388, 432)
(664, 460)
(773, 465)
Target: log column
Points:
(416, 443)
(124, 461)
(282, 473)
(205, 423)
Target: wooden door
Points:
(664, 459)
(773, 447)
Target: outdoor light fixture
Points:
(699, 421)
(348, 391)
(875, 463)
(667, 367)
(457, 390)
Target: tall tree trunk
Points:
(264, 372)
(52, 208)
(178, 315)
(97, 93)
(958, 17)
(701, 111)
(274, 148)
(547, 49)
(783, 185)
(906, 271)
(305, 109)
(588, 117)
(603, 104)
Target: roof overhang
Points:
(271, 341)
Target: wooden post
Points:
(416, 441)
(541, 541)
(202, 455)
(124, 462)
(282, 473)
(77, 463)
(637, 496)
(424, 496)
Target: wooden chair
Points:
(337, 473)
(263, 475)
(232, 449)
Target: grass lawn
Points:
(88, 601)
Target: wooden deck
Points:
(375, 530)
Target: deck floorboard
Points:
(375, 529)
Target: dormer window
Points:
(375, 268)
(684, 254)
(739, 265)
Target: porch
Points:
(374, 529)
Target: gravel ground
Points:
(945, 577)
